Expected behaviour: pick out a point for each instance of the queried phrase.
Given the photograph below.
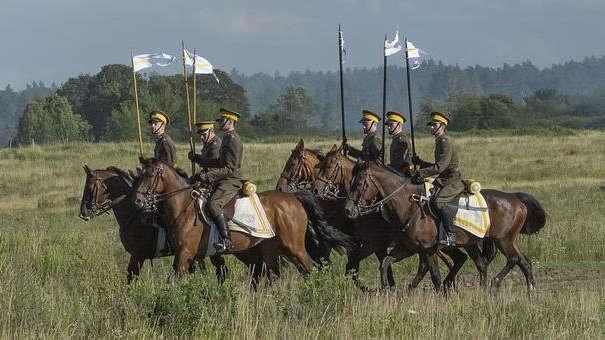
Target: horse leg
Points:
(380, 254)
(481, 262)
(431, 261)
(352, 268)
(459, 258)
(398, 253)
(423, 268)
(272, 262)
(134, 268)
(525, 266)
(220, 268)
(512, 259)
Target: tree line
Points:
(100, 107)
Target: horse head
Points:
(97, 196)
(299, 170)
(334, 175)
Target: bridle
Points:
(303, 175)
(330, 189)
(108, 204)
(375, 206)
(151, 198)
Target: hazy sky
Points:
(51, 40)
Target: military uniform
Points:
(446, 168)
(225, 171)
(401, 146)
(165, 149)
(448, 180)
(371, 147)
(210, 151)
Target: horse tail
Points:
(536, 216)
(322, 234)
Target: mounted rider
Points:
(224, 173)
(371, 146)
(448, 180)
(401, 146)
(165, 149)
(211, 144)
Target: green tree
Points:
(290, 113)
(51, 119)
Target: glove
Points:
(191, 156)
(416, 160)
(416, 178)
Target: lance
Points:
(342, 101)
(194, 96)
(136, 104)
(384, 94)
(407, 71)
(188, 107)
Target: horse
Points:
(510, 214)
(160, 187)
(108, 189)
(307, 167)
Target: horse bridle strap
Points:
(151, 198)
(331, 189)
(368, 209)
(302, 172)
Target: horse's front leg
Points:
(134, 267)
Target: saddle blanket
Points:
(472, 214)
(249, 218)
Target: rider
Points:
(211, 142)
(224, 171)
(371, 145)
(401, 147)
(448, 180)
(164, 150)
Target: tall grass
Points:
(60, 276)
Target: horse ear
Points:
(143, 160)
(87, 169)
(333, 149)
(301, 145)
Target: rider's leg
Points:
(220, 197)
(446, 213)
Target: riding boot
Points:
(447, 215)
(225, 243)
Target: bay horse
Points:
(108, 189)
(306, 168)
(510, 213)
(160, 187)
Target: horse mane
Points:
(125, 175)
(181, 174)
(317, 153)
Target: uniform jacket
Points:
(165, 150)
(370, 149)
(228, 165)
(446, 169)
(211, 150)
(401, 153)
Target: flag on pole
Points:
(143, 61)
(393, 46)
(414, 55)
(202, 65)
(342, 45)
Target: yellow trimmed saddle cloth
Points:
(473, 212)
(245, 215)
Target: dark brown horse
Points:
(331, 176)
(160, 187)
(108, 189)
(510, 214)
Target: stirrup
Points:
(223, 245)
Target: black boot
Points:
(225, 243)
(447, 215)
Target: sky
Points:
(52, 40)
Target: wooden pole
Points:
(194, 95)
(342, 101)
(136, 102)
(407, 70)
(188, 107)
(384, 95)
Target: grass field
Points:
(62, 277)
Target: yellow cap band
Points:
(371, 117)
(440, 118)
(158, 116)
(230, 116)
(206, 126)
(396, 118)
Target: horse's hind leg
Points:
(525, 266)
(481, 262)
(459, 258)
(134, 268)
(220, 268)
(512, 258)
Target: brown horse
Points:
(160, 187)
(108, 189)
(510, 214)
(331, 176)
